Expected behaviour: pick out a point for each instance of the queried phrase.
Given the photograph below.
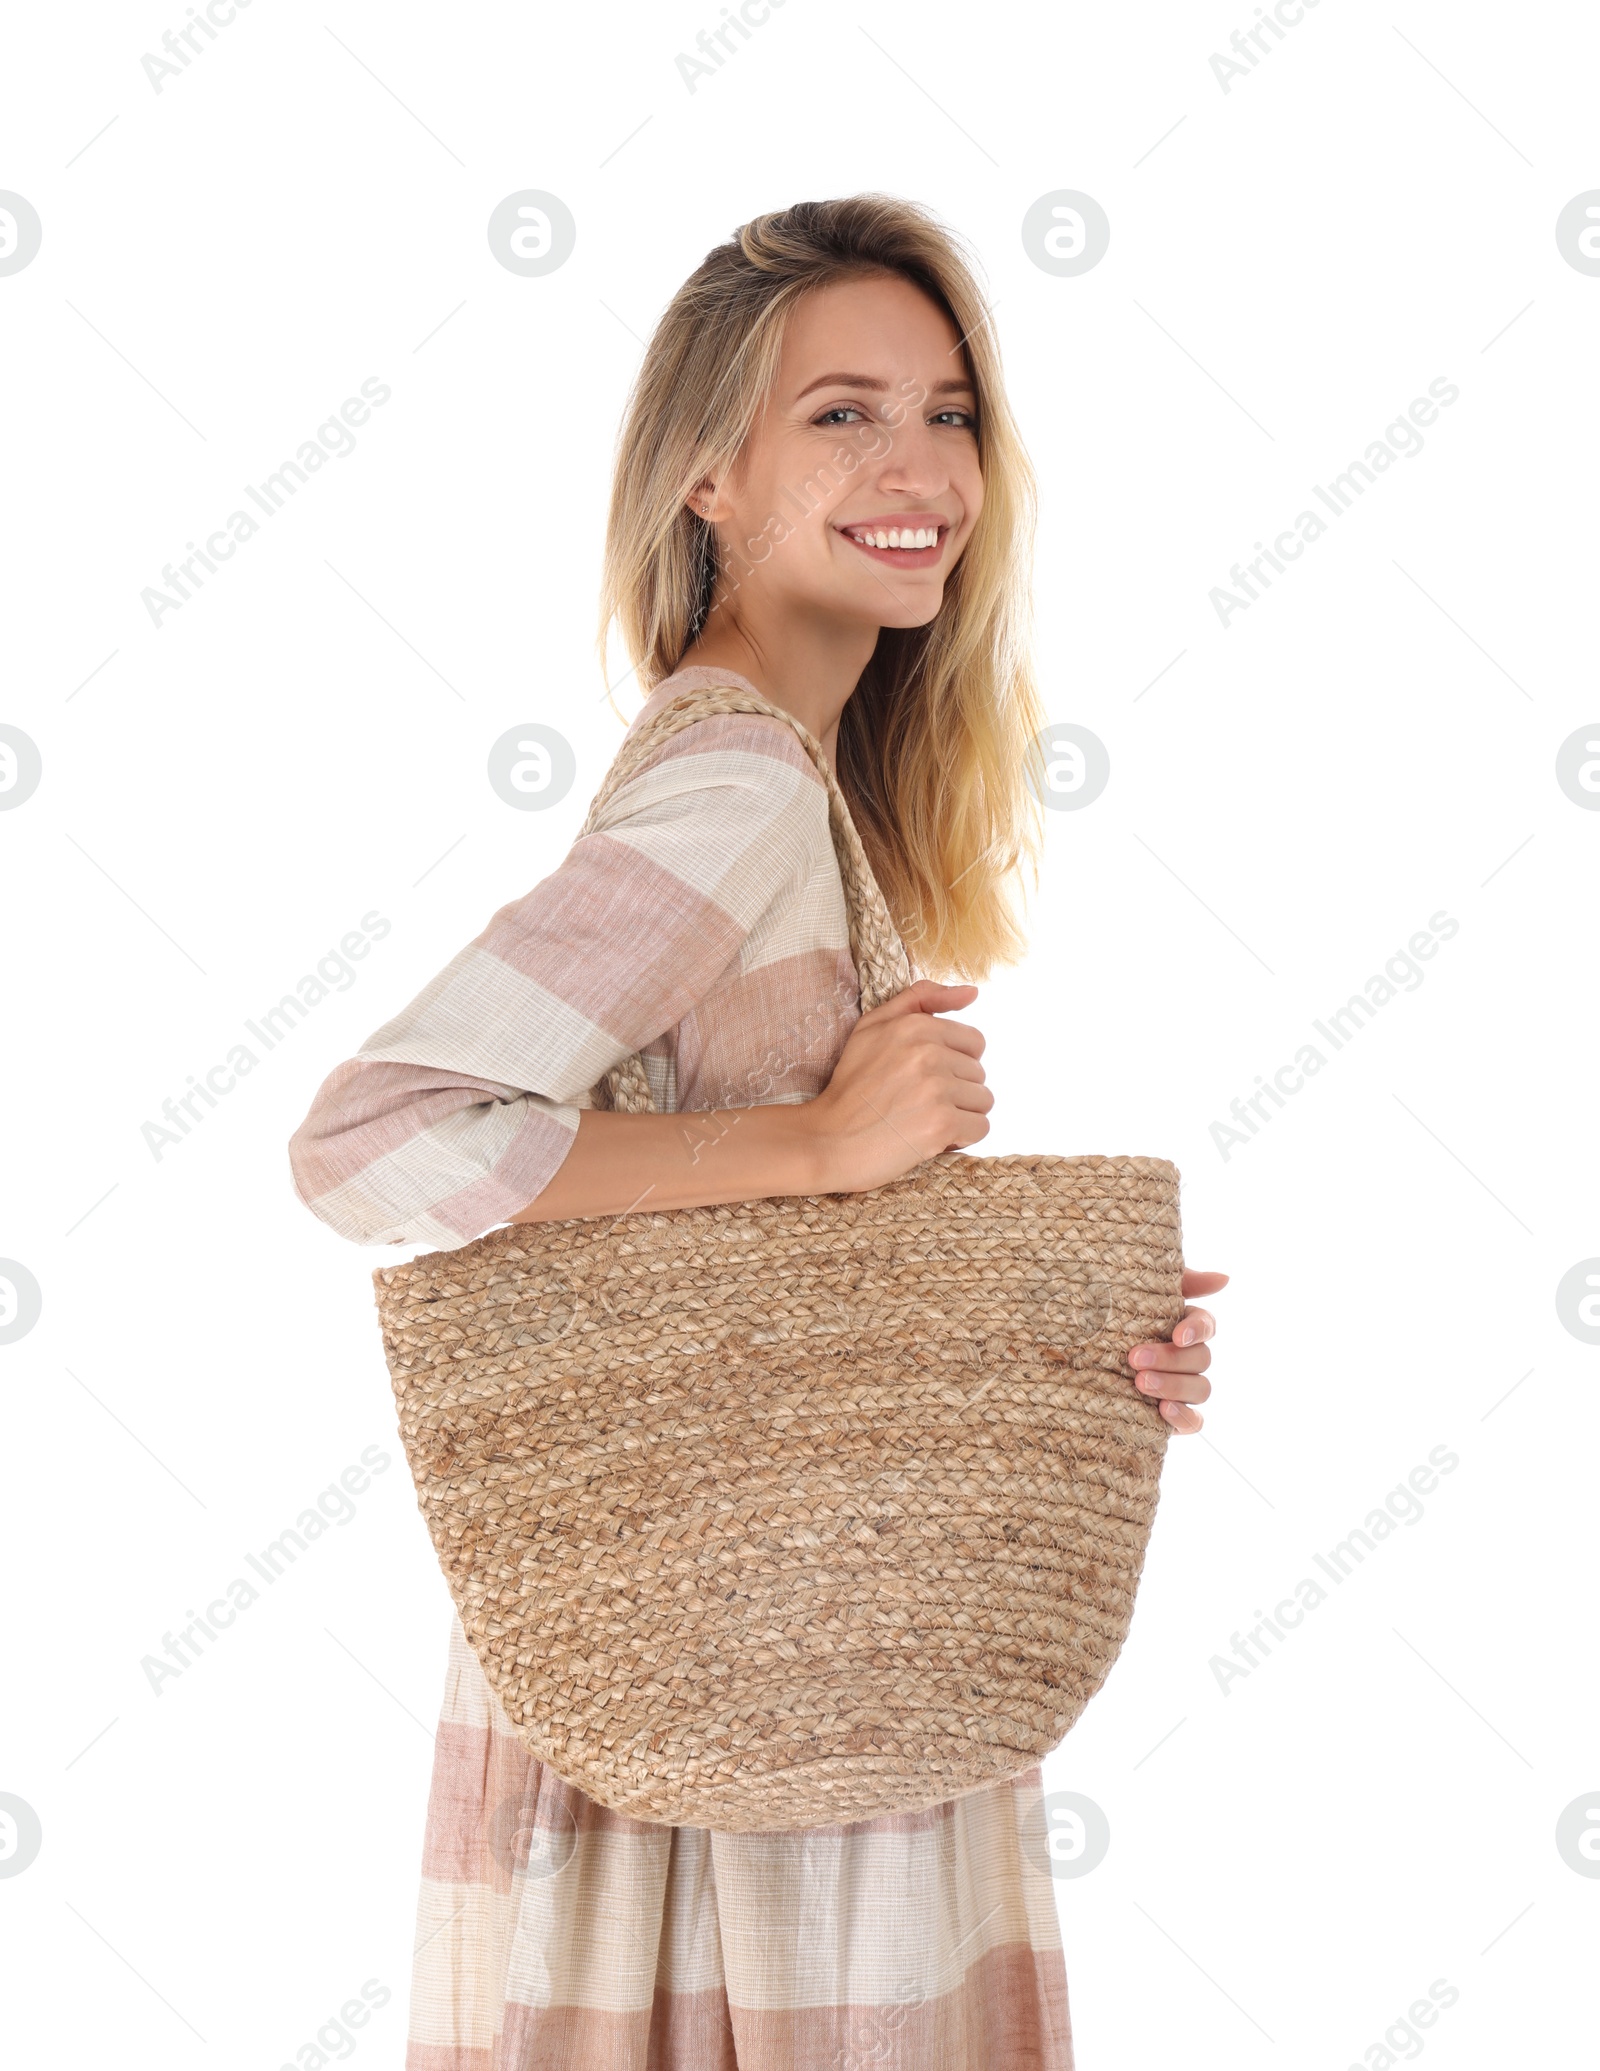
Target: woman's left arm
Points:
(1176, 1372)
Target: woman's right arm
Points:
(466, 1109)
(906, 1085)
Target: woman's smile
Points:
(907, 539)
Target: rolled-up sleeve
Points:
(457, 1112)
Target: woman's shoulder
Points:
(731, 807)
(761, 734)
(727, 762)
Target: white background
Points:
(1374, 740)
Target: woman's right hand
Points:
(907, 1086)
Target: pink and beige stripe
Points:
(552, 1931)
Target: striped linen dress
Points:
(703, 924)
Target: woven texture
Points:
(792, 1512)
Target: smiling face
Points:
(859, 485)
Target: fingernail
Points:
(1150, 1382)
(1142, 1358)
(1185, 1336)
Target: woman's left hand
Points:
(1176, 1373)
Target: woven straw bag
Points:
(798, 1511)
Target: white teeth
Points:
(908, 538)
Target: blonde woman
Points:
(819, 495)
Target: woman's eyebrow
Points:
(951, 387)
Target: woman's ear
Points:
(703, 500)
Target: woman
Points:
(819, 495)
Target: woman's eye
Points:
(956, 419)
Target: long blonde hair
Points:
(937, 749)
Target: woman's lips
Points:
(902, 557)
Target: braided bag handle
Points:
(882, 966)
